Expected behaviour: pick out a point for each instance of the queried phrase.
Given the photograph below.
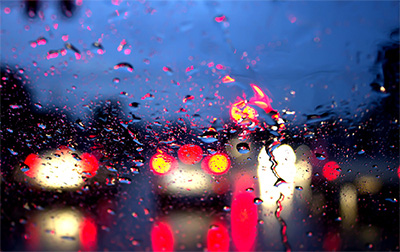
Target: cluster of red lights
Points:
(162, 163)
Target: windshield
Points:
(199, 125)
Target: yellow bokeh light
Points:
(162, 163)
(218, 163)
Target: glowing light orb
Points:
(190, 154)
(216, 164)
(33, 162)
(88, 235)
(218, 238)
(89, 164)
(243, 113)
(331, 170)
(162, 163)
(244, 217)
(162, 238)
(260, 99)
(60, 169)
(228, 79)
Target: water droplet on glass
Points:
(127, 181)
(168, 70)
(12, 152)
(76, 156)
(15, 106)
(68, 238)
(258, 201)
(320, 156)
(24, 168)
(209, 136)
(394, 200)
(110, 211)
(300, 188)
(250, 189)
(124, 65)
(214, 227)
(148, 96)
(38, 105)
(309, 234)
(243, 148)
(188, 99)
(116, 80)
(361, 152)
(226, 208)
(211, 150)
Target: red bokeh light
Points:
(32, 161)
(398, 171)
(244, 217)
(162, 238)
(89, 164)
(331, 170)
(190, 154)
(88, 235)
(218, 238)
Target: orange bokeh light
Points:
(228, 79)
(190, 154)
(216, 164)
(162, 163)
(241, 112)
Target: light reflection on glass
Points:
(61, 229)
(59, 169)
(244, 216)
(218, 237)
(269, 193)
(186, 180)
(368, 185)
(348, 205)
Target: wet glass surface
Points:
(199, 125)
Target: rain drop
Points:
(258, 201)
(226, 208)
(320, 156)
(243, 148)
(124, 65)
(300, 188)
(209, 136)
